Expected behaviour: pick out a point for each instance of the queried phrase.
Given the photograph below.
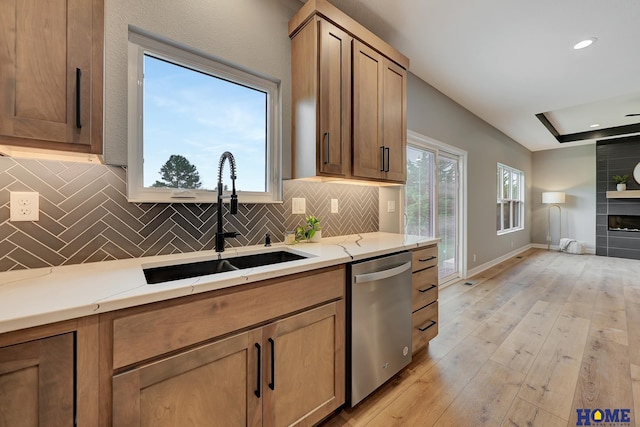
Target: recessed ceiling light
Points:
(595, 125)
(585, 43)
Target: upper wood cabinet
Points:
(348, 99)
(379, 116)
(321, 54)
(51, 74)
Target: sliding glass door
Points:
(433, 202)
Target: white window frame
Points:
(140, 43)
(501, 200)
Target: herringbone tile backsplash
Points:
(85, 216)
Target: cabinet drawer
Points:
(425, 288)
(424, 258)
(143, 335)
(425, 326)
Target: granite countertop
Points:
(45, 295)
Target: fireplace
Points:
(617, 212)
(624, 223)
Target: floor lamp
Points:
(553, 198)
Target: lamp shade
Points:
(554, 197)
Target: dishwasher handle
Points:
(384, 274)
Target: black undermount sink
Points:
(201, 268)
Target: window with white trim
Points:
(510, 207)
(185, 109)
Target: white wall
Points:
(249, 33)
(572, 170)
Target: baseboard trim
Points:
(479, 269)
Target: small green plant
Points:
(308, 230)
(621, 179)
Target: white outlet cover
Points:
(298, 206)
(24, 206)
(334, 205)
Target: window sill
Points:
(509, 231)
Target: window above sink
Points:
(185, 109)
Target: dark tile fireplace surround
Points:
(617, 219)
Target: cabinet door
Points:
(304, 366)
(46, 73)
(368, 149)
(334, 100)
(394, 106)
(36, 383)
(217, 384)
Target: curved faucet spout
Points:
(232, 164)
(233, 208)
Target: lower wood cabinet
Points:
(212, 385)
(288, 372)
(304, 373)
(37, 382)
(279, 361)
(424, 303)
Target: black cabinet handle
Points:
(423, 290)
(388, 158)
(424, 328)
(78, 97)
(427, 259)
(327, 138)
(272, 384)
(382, 157)
(259, 384)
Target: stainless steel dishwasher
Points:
(379, 323)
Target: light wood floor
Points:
(536, 338)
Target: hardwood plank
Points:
(525, 414)
(604, 380)
(497, 327)
(635, 387)
(475, 406)
(551, 382)
(632, 306)
(521, 347)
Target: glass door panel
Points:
(419, 192)
(448, 177)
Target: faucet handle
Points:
(233, 208)
(267, 239)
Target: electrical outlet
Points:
(334, 205)
(298, 206)
(24, 206)
(474, 257)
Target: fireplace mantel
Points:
(627, 194)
